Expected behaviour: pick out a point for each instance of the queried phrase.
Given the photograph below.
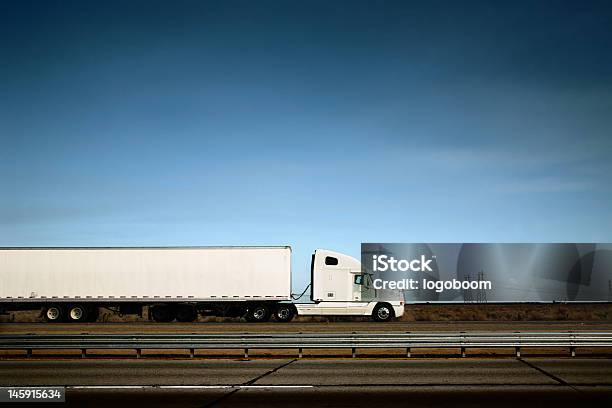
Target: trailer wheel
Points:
(162, 313)
(186, 313)
(92, 314)
(258, 313)
(77, 313)
(53, 313)
(383, 312)
(284, 313)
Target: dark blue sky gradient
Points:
(317, 124)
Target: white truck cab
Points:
(340, 288)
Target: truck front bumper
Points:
(398, 308)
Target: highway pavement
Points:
(456, 382)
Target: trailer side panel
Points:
(173, 273)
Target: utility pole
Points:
(467, 293)
(482, 295)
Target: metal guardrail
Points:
(301, 341)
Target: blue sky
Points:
(316, 124)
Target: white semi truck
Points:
(72, 284)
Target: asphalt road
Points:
(149, 327)
(288, 382)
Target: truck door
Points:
(363, 287)
(357, 284)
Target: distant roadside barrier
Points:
(301, 341)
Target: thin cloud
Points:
(545, 185)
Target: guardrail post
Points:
(573, 351)
(191, 352)
(353, 349)
(83, 353)
(300, 354)
(29, 353)
(462, 344)
(138, 353)
(517, 349)
(244, 342)
(408, 349)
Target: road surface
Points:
(529, 382)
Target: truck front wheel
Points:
(383, 312)
(258, 313)
(284, 313)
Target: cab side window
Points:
(330, 260)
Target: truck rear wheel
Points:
(77, 313)
(383, 312)
(54, 313)
(186, 313)
(258, 313)
(162, 313)
(284, 313)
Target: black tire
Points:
(162, 313)
(284, 313)
(258, 313)
(77, 313)
(186, 313)
(54, 313)
(93, 314)
(383, 312)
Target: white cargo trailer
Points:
(71, 284)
